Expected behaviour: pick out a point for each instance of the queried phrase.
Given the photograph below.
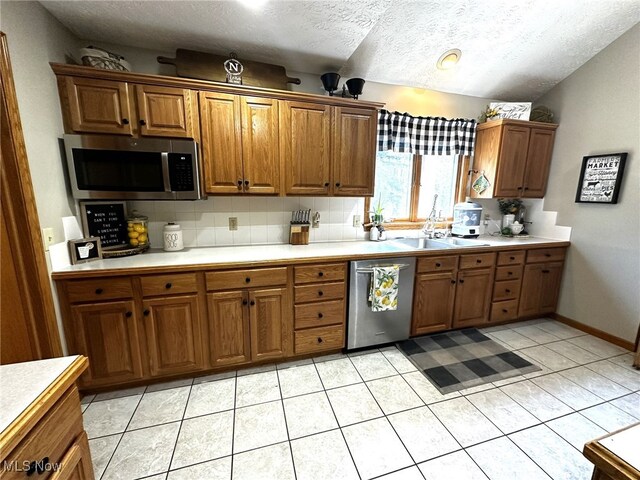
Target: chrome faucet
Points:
(429, 227)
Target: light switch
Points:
(233, 223)
(47, 237)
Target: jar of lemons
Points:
(138, 230)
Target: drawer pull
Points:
(326, 184)
(506, 290)
(547, 254)
(320, 315)
(478, 261)
(461, 280)
(545, 271)
(438, 264)
(128, 314)
(319, 339)
(99, 291)
(143, 122)
(168, 285)
(320, 293)
(125, 121)
(244, 302)
(247, 280)
(453, 281)
(32, 468)
(338, 184)
(321, 274)
(246, 183)
(512, 258)
(510, 273)
(146, 313)
(252, 303)
(504, 310)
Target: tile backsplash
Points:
(261, 220)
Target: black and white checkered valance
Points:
(402, 132)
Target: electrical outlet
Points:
(357, 221)
(487, 217)
(233, 223)
(47, 237)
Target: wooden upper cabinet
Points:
(515, 156)
(270, 317)
(305, 143)
(354, 151)
(260, 150)
(174, 334)
(513, 159)
(107, 333)
(221, 142)
(96, 106)
(538, 162)
(229, 327)
(165, 111)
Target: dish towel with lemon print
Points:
(383, 293)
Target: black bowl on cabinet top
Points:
(330, 81)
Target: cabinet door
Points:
(433, 301)
(473, 297)
(305, 142)
(98, 106)
(512, 161)
(76, 464)
(174, 334)
(270, 318)
(107, 333)
(260, 152)
(165, 111)
(221, 142)
(229, 327)
(354, 151)
(540, 289)
(538, 162)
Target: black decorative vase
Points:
(355, 85)
(330, 82)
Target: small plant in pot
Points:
(376, 214)
(508, 207)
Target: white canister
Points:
(172, 234)
(507, 220)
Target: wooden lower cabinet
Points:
(174, 335)
(229, 340)
(268, 327)
(473, 297)
(76, 464)
(540, 289)
(107, 333)
(433, 301)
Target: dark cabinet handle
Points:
(506, 290)
(321, 274)
(509, 273)
(519, 188)
(143, 122)
(247, 280)
(526, 188)
(239, 183)
(512, 258)
(462, 280)
(125, 121)
(146, 313)
(326, 184)
(128, 314)
(319, 339)
(252, 303)
(320, 315)
(244, 302)
(438, 264)
(43, 466)
(99, 291)
(504, 310)
(168, 285)
(547, 254)
(453, 281)
(320, 293)
(545, 271)
(246, 183)
(478, 261)
(33, 467)
(338, 184)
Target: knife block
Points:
(299, 234)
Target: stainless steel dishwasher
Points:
(365, 327)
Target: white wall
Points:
(598, 109)
(36, 38)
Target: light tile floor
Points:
(372, 415)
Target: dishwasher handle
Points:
(370, 269)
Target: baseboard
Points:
(594, 331)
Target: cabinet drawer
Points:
(437, 264)
(477, 260)
(319, 313)
(509, 272)
(98, 289)
(51, 437)
(545, 255)
(320, 273)
(319, 339)
(233, 279)
(164, 284)
(321, 291)
(504, 311)
(506, 290)
(511, 258)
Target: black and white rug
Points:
(461, 359)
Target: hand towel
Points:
(383, 293)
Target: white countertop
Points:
(265, 253)
(22, 383)
(624, 445)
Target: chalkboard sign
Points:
(107, 220)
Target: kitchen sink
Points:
(450, 242)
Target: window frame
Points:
(415, 222)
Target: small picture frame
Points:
(85, 250)
(600, 178)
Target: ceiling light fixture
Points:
(449, 59)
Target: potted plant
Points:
(376, 214)
(508, 208)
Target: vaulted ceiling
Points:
(511, 49)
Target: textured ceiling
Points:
(511, 49)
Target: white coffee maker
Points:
(466, 219)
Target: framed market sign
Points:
(600, 178)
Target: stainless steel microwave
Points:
(121, 168)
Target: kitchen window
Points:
(405, 185)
